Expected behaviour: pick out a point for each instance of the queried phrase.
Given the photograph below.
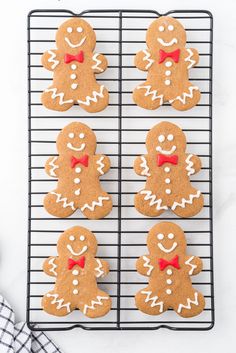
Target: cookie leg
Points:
(94, 303)
(98, 205)
(190, 305)
(147, 96)
(188, 99)
(189, 205)
(54, 99)
(94, 100)
(149, 204)
(55, 304)
(58, 205)
(149, 301)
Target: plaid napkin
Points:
(17, 338)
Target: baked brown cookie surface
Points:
(167, 167)
(74, 65)
(169, 269)
(76, 271)
(167, 62)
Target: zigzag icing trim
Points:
(189, 165)
(98, 269)
(185, 201)
(54, 167)
(188, 262)
(52, 59)
(59, 302)
(153, 200)
(145, 167)
(98, 62)
(95, 203)
(54, 95)
(185, 95)
(101, 165)
(64, 200)
(189, 302)
(153, 300)
(147, 265)
(53, 266)
(191, 61)
(147, 58)
(93, 303)
(153, 93)
(93, 98)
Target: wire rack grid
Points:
(121, 131)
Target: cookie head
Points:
(165, 239)
(75, 35)
(75, 242)
(165, 138)
(165, 33)
(77, 139)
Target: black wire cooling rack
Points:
(121, 131)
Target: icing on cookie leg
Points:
(146, 96)
(149, 302)
(98, 306)
(55, 304)
(188, 99)
(191, 306)
(190, 205)
(55, 100)
(149, 204)
(58, 205)
(95, 101)
(97, 208)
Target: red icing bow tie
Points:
(83, 160)
(173, 55)
(161, 159)
(78, 57)
(80, 262)
(173, 262)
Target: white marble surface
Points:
(13, 178)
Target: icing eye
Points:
(69, 29)
(171, 236)
(81, 135)
(82, 237)
(170, 27)
(71, 135)
(170, 137)
(79, 29)
(160, 236)
(71, 237)
(161, 28)
(161, 138)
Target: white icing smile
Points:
(69, 247)
(71, 147)
(167, 152)
(162, 248)
(167, 44)
(75, 45)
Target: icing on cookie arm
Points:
(99, 63)
(101, 268)
(143, 60)
(193, 265)
(191, 57)
(50, 266)
(102, 164)
(144, 265)
(193, 164)
(50, 60)
(141, 166)
(51, 167)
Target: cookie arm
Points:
(101, 268)
(143, 60)
(144, 266)
(102, 164)
(141, 166)
(193, 264)
(191, 57)
(99, 63)
(193, 164)
(50, 59)
(51, 167)
(50, 266)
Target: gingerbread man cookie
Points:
(77, 169)
(169, 269)
(74, 65)
(76, 271)
(167, 167)
(167, 61)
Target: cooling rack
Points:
(121, 131)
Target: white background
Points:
(13, 178)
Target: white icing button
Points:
(71, 237)
(168, 291)
(75, 282)
(78, 170)
(74, 85)
(75, 291)
(168, 191)
(82, 237)
(168, 73)
(169, 272)
(168, 281)
(167, 181)
(73, 66)
(75, 272)
(77, 192)
(168, 64)
(73, 76)
(167, 82)
(167, 169)
(76, 180)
